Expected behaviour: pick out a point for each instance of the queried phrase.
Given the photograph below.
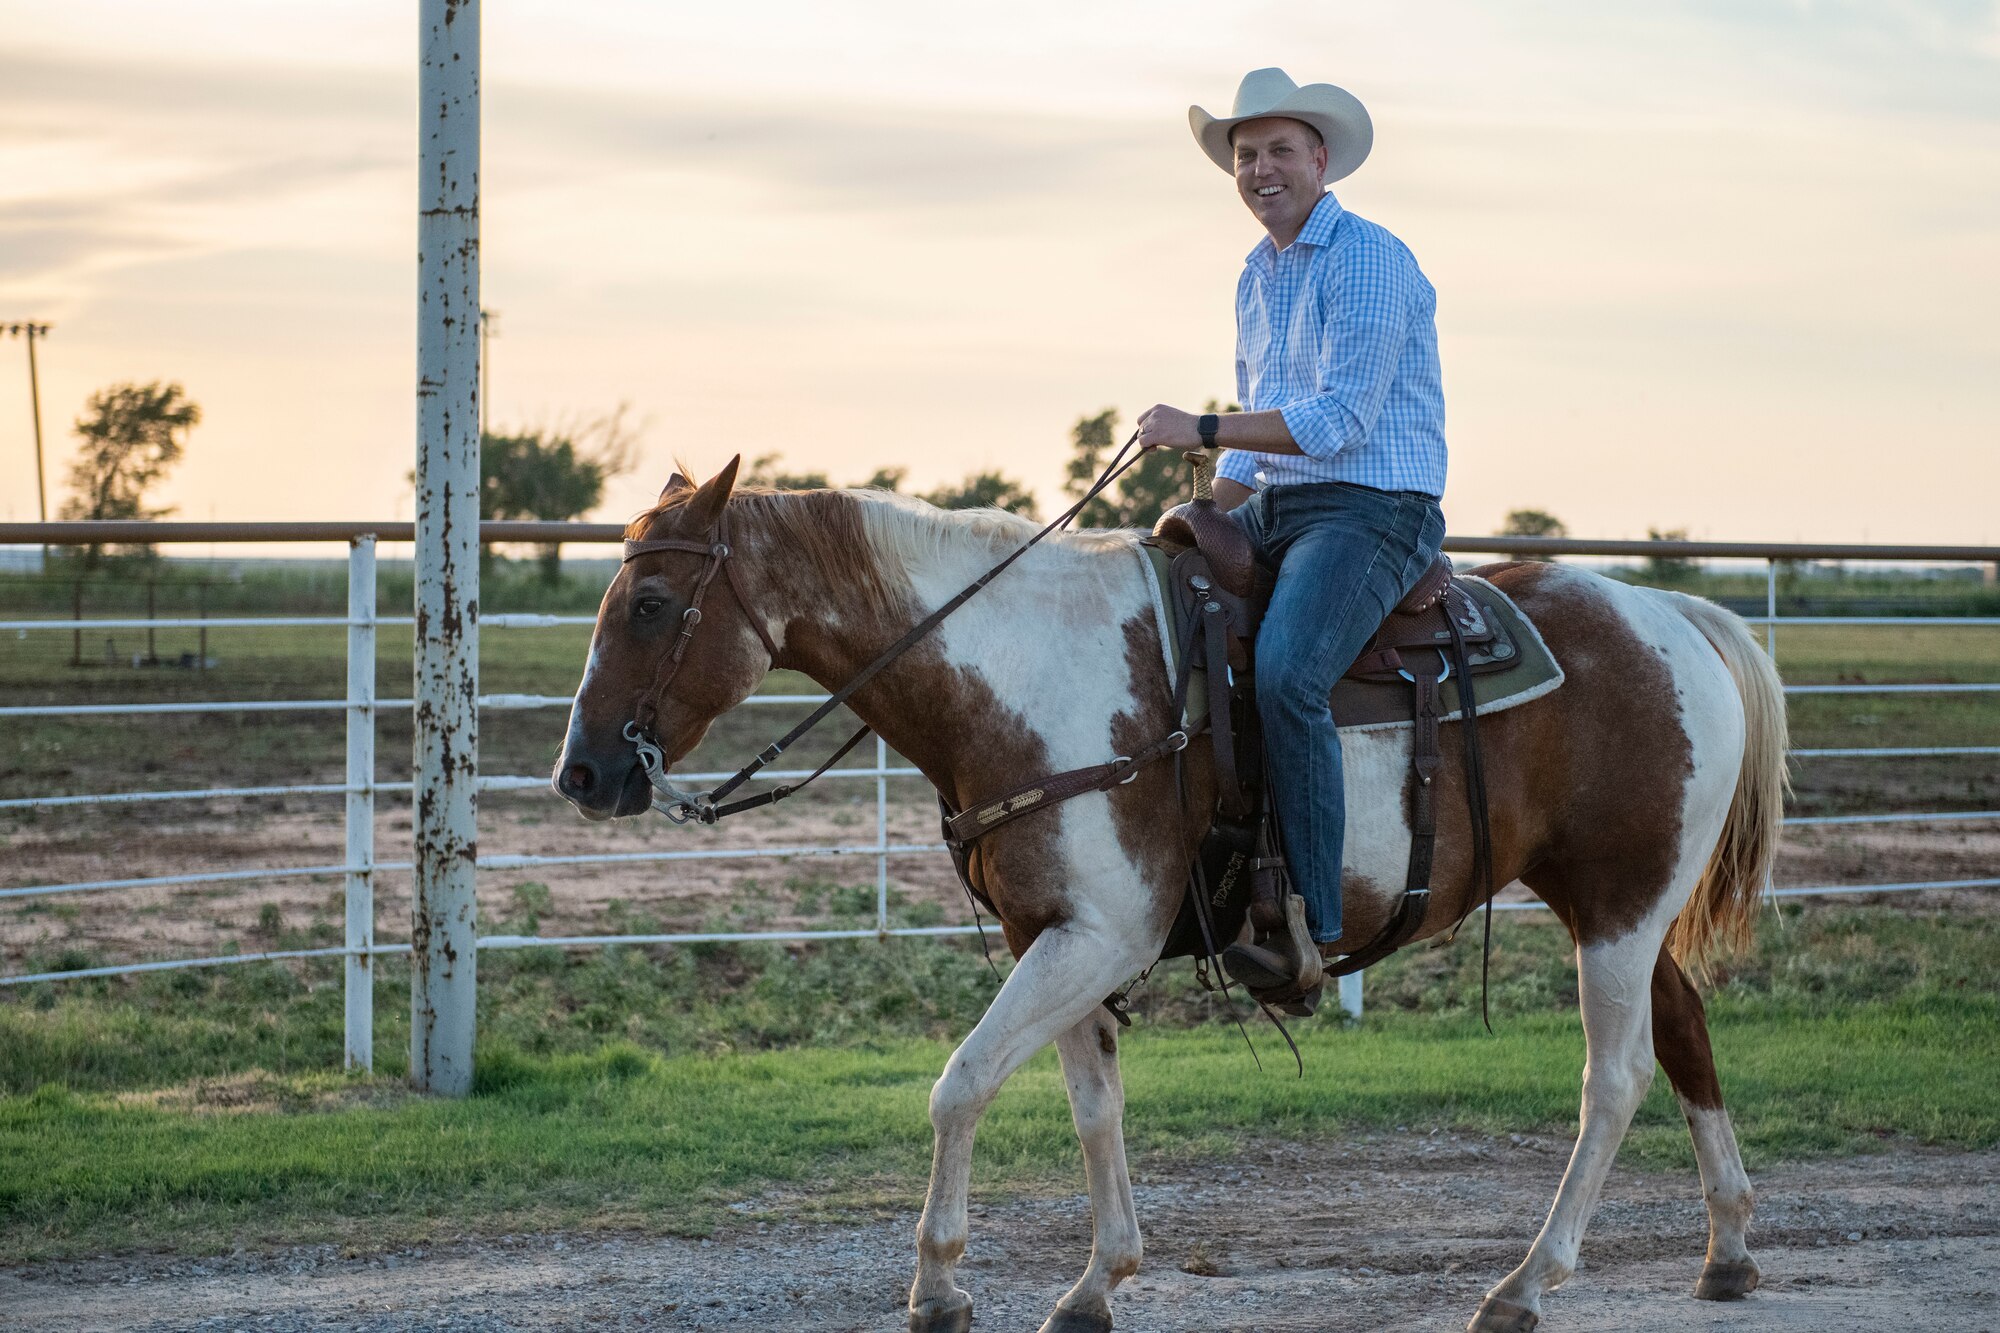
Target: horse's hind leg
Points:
(1618, 1069)
(1680, 1038)
(1097, 1102)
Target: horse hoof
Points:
(952, 1319)
(1498, 1316)
(1726, 1282)
(1077, 1321)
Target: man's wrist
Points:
(1206, 426)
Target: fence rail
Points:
(360, 790)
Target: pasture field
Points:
(58, 755)
(653, 1090)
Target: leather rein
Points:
(685, 807)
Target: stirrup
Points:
(1281, 970)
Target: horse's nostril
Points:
(579, 778)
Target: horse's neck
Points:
(1049, 638)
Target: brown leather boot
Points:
(1281, 967)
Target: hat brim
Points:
(1338, 116)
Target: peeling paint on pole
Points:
(446, 751)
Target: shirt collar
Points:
(1317, 231)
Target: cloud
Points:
(156, 96)
(1753, 230)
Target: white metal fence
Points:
(362, 707)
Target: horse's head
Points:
(674, 648)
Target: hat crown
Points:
(1261, 89)
(1335, 114)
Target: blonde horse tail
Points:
(1722, 912)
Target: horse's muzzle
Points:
(601, 791)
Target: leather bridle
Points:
(639, 731)
(685, 807)
(717, 550)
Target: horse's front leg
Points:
(1062, 977)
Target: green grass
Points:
(632, 1089)
(626, 1137)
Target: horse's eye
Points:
(647, 606)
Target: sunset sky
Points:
(1731, 266)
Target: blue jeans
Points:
(1345, 555)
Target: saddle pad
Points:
(1372, 706)
(1365, 705)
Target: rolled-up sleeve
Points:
(1369, 298)
(1239, 467)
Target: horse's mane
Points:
(918, 534)
(839, 530)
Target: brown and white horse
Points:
(1640, 802)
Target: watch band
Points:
(1206, 427)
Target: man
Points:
(1336, 465)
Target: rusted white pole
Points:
(361, 803)
(442, 927)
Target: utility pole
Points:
(32, 330)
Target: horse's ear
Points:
(706, 506)
(675, 485)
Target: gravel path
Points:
(1393, 1231)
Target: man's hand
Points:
(1163, 427)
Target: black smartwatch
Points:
(1206, 426)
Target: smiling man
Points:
(1336, 466)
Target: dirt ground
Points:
(1395, 1231)
(762, 893)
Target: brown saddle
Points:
(1436, 631)
(1415, 627)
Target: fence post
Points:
(360, 803)
(1350, 994)
(881, 836)
(1771, 608)
(443, 917)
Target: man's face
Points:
(1280, 169)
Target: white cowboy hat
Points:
(1336, 113)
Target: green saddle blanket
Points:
(1367, 705)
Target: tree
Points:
(1159, 481)
(763, 471)
(1668, 568)
(887, 479)
(553, 474)
(985, 490)
(978, 491)
(1532, 523)
(131, 436)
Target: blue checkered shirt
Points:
(1338, 331)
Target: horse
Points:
(1640, 802)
